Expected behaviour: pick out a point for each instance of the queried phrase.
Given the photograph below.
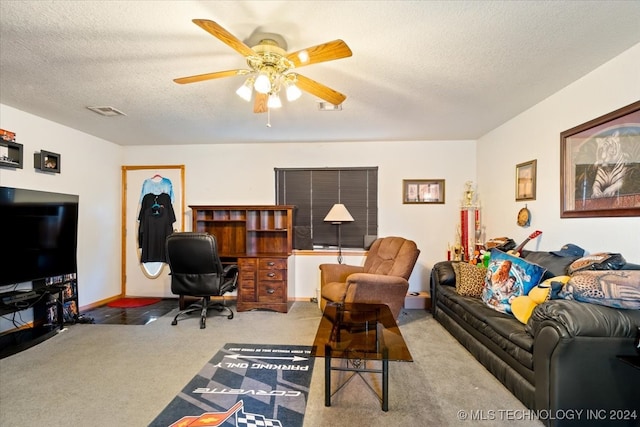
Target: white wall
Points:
(535, 134)
(90, 168)
(244, 174)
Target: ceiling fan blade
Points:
(319, 90)
(225, 36)
(211, 76)
(336, 49)
(260, 104)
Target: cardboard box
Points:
(418, 301)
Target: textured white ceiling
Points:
(420, 70)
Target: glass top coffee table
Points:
(355, 334)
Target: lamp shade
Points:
(262, 83)
(338, 213)
(293, 92)
(246, 89)
(274, 101)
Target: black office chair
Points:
(196, 270)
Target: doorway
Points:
(149, 278)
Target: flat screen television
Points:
(39, 235)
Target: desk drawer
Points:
(247, 291)
(270, 275)
(272, 291)
(247, 264)
(247, 276)
(272, 264)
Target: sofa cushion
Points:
(555, 265)
(611, 288)
(508, 277)
(513, 331)
(469, 279)
(499, 328)
(443, 274)
(456, 271)
(587, 320)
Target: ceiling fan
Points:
(271, 68)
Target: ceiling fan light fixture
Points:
(246, 89)
(293, 92)
(274, 101)
(270, 68)
(262, 83)
(303, 56)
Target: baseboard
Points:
(100, 303)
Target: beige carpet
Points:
(124, 375)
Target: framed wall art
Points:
(47, 161)
(422, 191)
(600, 166)
(526, 180)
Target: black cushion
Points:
(555, 265)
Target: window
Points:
(315, 191)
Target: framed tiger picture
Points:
(600, 166)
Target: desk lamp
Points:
(337, 215)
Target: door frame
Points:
(157, 169)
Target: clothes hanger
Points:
(156, 176)
(155, 208)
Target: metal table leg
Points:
(385, 379)
(327, 375)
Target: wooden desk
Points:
(259, 238)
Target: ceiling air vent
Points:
(107, 111)
(327, 106)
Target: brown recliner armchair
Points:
(382, 280)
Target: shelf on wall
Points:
(11, 154)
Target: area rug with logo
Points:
(245, 385)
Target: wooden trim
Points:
(99, 303)
(123, 222)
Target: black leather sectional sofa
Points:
(564, 363)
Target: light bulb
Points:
(293, 92)
(262, 84)
(245, 90)
(303, 56)
(274, 101)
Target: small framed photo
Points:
(526, 180)
(422, 191)
(47, 161)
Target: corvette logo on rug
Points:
(245, 385)
(213, 419)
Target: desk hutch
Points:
(260, 240)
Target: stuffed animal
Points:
(523, 306)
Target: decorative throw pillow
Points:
(523, 306)
(507, 278)
(471, 280)
(612, 288)
(456, 271)
(599, 261)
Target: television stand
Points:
(22, 339)
(47, 301)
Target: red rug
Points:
(133, 302)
